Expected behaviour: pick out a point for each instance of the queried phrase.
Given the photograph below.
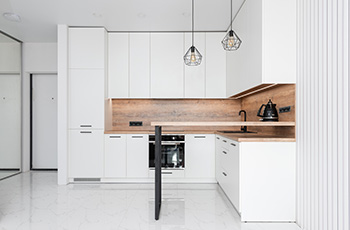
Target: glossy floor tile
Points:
(33, 200)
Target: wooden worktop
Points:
(224, 123)
(240, 137)
(255, 137)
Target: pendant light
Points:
(192, 56)
(231, 41)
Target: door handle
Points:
(85, 131)
(114, 136)
(224, 152)
(233, 144)
(199, 137)
(224, 174)
(169, 173)
(85, 126)
(136, 136)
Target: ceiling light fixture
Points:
(11, 17)
(231, 41)
(192, 56)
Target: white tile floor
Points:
(34, 201)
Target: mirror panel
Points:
(10, 106)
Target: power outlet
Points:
(135, 123)
(285, 109)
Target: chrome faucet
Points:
(243, 128)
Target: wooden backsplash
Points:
(148, 110)
(281, 95)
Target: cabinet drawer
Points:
(168, 173)
(224, 143)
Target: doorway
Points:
(43, 121)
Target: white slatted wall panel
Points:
(322, 116)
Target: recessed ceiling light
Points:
(11, 17)
(97, 15)
(141, 15)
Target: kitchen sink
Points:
(224, 131)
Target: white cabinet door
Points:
(200, 156)
(215, 66)
(87, 48)
(139, 65)
(86, 153)
(118, 65)
(115, 155)
(167, 65)
(195, 75)
(86, 98)
(268, 181)
(137, 156)
(233, 170)
(217, 157)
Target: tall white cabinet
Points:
(167, 66)
(267, 54)
(86, 96)
(215, 66)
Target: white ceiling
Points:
(40, 17)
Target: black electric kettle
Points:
(270, 112)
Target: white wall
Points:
(37, 58)
(323, 115)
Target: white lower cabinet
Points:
(258, 178)
(137, 156)
(115, 156)
(200, 156)
(86, 153)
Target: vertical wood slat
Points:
(322, 115)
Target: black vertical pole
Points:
(158, 170)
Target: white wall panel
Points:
(322, 116)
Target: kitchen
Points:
(116, 87)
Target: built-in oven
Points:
(173, 151)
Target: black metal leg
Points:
(158, 170)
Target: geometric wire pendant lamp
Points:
(231, 41)
(192, 56)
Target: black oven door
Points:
(173, 155)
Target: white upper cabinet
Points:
(267, 54)
(167, 65)
(139, 65)
(215, 66)
(86, 98)
(195, 75)
(118, 65)
(87, 48)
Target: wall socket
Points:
(135, 123)
(285, 109)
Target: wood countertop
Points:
(255, 137)
(238, 123)
(240, 137)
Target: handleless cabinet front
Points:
(86, 153)
(115, 156)
(87, 48)
(86, 99)
(137, 156)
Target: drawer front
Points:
(168, 173)
(224, 143)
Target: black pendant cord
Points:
(192, 22)
(231, 15)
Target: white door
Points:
(44, 121)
